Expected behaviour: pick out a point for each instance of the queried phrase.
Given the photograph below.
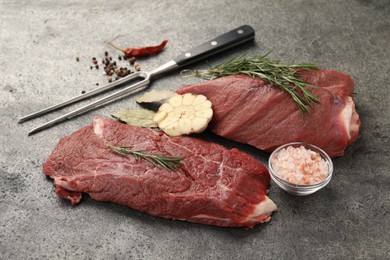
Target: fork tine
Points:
(80, 97)
(119, 94)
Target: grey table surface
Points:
(39, 41)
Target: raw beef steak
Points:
(250, 111)
(213, 186)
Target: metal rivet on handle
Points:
(213, 43)
(187, 54)
(240, 31)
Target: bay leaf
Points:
(154, 96)
(139, 117)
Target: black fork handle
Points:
(223, 42)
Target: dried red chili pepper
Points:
(141, 51)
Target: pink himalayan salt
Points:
(300, 165)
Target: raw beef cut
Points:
(250, 111)
(214, 185)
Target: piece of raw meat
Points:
(214, 185)
(248, 110)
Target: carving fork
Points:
(225, 41)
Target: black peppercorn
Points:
(132, 60)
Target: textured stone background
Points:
(39, 41)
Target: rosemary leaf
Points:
(276, 73)
(158, 160)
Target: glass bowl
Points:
(300, 189)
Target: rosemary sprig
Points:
(158, 160)
(276, 73)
